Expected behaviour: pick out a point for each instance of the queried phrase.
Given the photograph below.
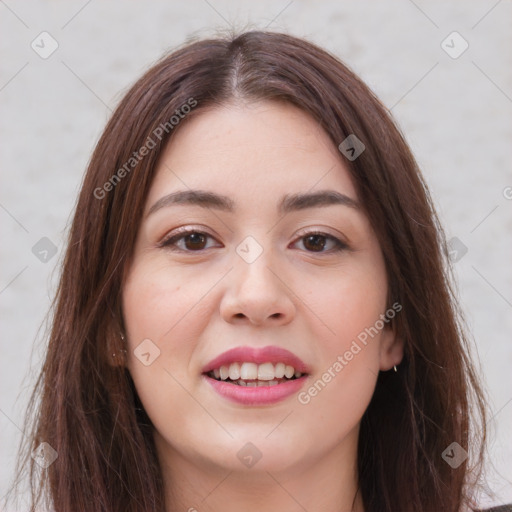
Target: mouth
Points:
(256, 376)
(250, 374)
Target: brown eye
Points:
(315, 243)
(321, 243)
(189, 241)
(195, 241)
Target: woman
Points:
(255, 310)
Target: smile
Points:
(256, 376)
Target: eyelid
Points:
(318, 231)
(181, 232)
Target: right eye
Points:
(189, 240)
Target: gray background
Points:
(455, 113)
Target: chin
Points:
(274, 454)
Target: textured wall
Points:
(455, 111)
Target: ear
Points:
(391, 348)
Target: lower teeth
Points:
(256, 383)
(253, 382)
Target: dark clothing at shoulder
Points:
(501, 508)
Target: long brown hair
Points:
(87, 409)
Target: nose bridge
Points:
(252, 268)
(255, 291)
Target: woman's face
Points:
(254, 258)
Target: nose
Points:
(256, 295)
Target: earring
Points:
(394, 368)
(123, 351)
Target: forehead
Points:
(251, 152)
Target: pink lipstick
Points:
(256, 376)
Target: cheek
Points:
(349, 306)
(156, 300)
(165, 307)
(340, 391)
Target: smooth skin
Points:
(197, 297)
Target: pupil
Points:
(315, 242)
(195, 241)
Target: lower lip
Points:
(256, 395)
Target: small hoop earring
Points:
(394, 368)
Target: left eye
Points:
(321, 242)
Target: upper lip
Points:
(262, 355)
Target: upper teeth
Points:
(248, 371)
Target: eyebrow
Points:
(289, 203)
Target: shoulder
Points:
(501, 508)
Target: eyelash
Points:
(170, 242)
